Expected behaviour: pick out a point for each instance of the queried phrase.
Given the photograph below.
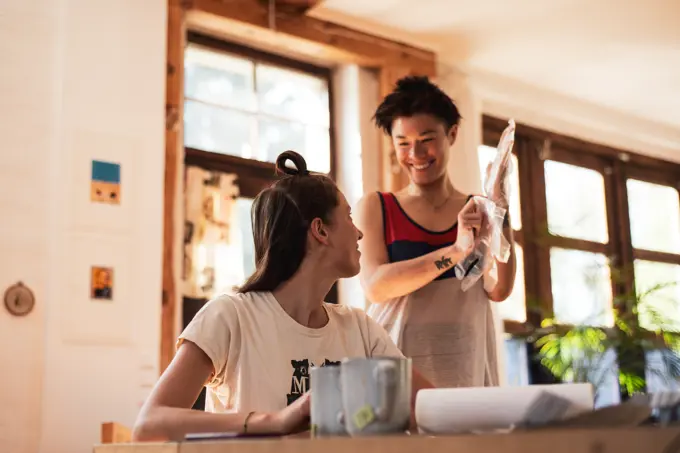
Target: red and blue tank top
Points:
(405, 239)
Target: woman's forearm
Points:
(404, 277)
(160, 424)
(506, 272)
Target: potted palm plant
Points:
(642, 346)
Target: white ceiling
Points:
(620, 54)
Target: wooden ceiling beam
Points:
(249, 22)
(293, 6)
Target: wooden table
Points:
(630, 440)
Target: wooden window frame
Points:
(532, 147)
(295, 35)
(252, 176)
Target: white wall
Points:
(27, 116)
(80, 79)
(573, 117)
(371, 137)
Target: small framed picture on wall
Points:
(101, 283)
(105, 182)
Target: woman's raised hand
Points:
(471, 222)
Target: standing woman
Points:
(413, 240)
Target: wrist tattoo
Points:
(443, 263)
(506, 220)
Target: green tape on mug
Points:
(364, 417)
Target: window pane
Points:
(605, 377)
(658, 289)
(245, 234)
(486, 155)
(514, 308)
(293, 95)
(654, 216)
(516, 362)
(311, 142)
(218, 130)
(576, 202)
(317, 149)
(601, 370)
(212, 234)
(230, 272)
(581, 287)
(219, 79)
(662, 371)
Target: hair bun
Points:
(299, 163)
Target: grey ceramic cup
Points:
(327, 418)
(376, 395)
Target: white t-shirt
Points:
(262, 356)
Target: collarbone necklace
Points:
(441, 204)
(435, 206)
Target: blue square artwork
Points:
(105, 182)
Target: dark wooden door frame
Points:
(174, 101)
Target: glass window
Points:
(219, 79)
(229, 272)
(603, 373)
(217, 130)
(575, 202)
(580, 273)
(581, 287)
(245, 234)
(241, 107)
(516, 361)
(292, 95)
(276, 136)
(606, 377)
(661, 371)
(654, 212)
(583, 360)
(658, 289)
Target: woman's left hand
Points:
(472, 221)
(295, 418)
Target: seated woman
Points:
(253, 350)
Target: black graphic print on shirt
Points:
(299, 383)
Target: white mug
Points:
(327, 417)
(376, 395)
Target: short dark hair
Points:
(414, 95)
(281, 216)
